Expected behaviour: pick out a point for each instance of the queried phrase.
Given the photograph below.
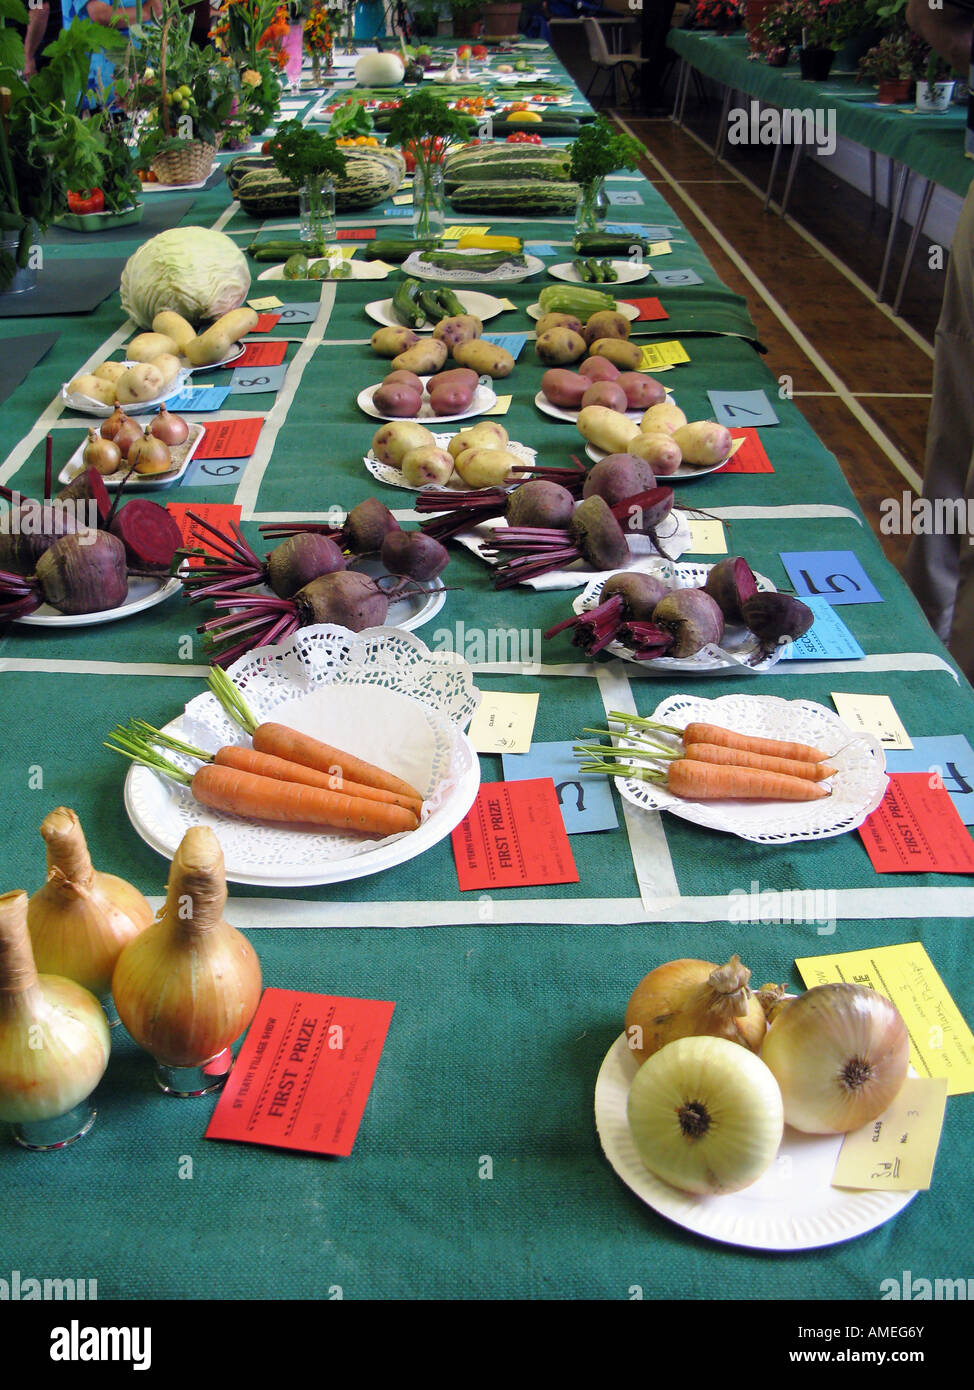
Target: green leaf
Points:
(13, 9)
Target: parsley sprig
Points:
(600, 149)
(302, 155)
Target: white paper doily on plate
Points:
(791, 1207)
(858, 786)
(509, 275)
(181, 455)
(142, 594)
(738, 647)
(483, 399)
(483, 306)
(535, 311)
(381, 695)
(644, 554)
(87, 405)
(627, 273)
(389, 473)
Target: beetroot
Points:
(83, 572)
(541, 501)
(625, 598)
(149, 534)
(413, 555)
(299, 559)
(640, 593)
(775, 618)
(366, 527)
(731, 583)
(592, 534)
(598, 534)
(289, 566)
(88, 486)
(693, 619)
(30, 527)
(646, 641)
(619, 476)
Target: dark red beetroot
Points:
(413, 555)
(731, 583)
(544, 501)
(88, 487)
(625, 598)
(365, 528)
(80, 573)
(693, 619)
(149, 534)
(593, 534)
(289, 566)
(775, 618)
(29, 527)
(617, 477)
(345, 598)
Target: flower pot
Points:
(934, 96)
(22, 280)
(816, 63)
(778, 58)
(502, 20)
(466, 26)
(893, 90)
(847, 57)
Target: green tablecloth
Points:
(502, 1018)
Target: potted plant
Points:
(894, 64)
(721, 15)
(254, 35)
(598, 151)
(936, 87)
(466, 18)
(423, 126)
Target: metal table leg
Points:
(796, 156)
(681, 78)
(928, 188)
(774, 174)
(683, 100)
(897, 207)
(722, 126)
(872, 177)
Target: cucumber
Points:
(608, 244)
(396, 251)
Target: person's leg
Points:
(933, 562)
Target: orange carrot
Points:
(772, 747)
(296, 747)
(739, 757)
(264, 798)
(697, 781)
(265, 765)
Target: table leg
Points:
(872, 177)
(722, 126)
(773, 175)
(683, 99)
(680, 74)
(796, 155)
(897, 204)
(914, 238)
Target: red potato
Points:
(607, 393)
(451, 399)
(642, 391)
(394, 398)
(599, 369)
(563, 388)
(403, 378)
(456, 376)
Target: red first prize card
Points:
(304, 1072)
(218, 514)
(262, 355)
(513, 837)
(229, 439)
(917, 829)
(265, 322)
(355, 234)
(649, 309)
(751, 456)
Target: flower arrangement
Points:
(898, 57)
(811, 24)
(273, 38)
(241, 33)
(717, 14)
(318, 36)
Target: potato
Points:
(392, 441)
(427, 465)
(141, 383)
(457, 376)
(599, 369)
(558, 346)
(174, 326)
(210, 347)
(145, 347)
(485, 434)
(397, 399)
(659, 449)
(450, 398)
(626, 356)
(547, 321)
(404, 379)
(168, 365)
(484, 358)
(461, 328)
(607, 429)
(666, 417)
(607, 393)
(110, 371)
(641, 390)
(424, 358)
(94, 386)
(607, 323)
(390, 342)
(563, 388)
(703, 443)
(485, 467)
(237, 324)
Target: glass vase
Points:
(428, 202)
(317, 208)
(316, 68)
(591, 209)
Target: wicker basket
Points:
(191, 164)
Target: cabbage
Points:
(199, 273)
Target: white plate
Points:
(143, 594)
(628, 311)
(182, 454)
(684, 474)
(484, 306)
(417, 608)
(626, 271)
(179, 187)
(858, 786)
(87, 405)
(791, 1207)
(738, 647)
(393, 476)
(483, 399)
(361, 270)
(415, 265)
(558, 412)
(404, 705)
(236, 351)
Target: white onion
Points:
(840, 1053)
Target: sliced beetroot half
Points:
(731, 583)
(150, 535)
(88, 486)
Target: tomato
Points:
(91, 200)
(265, 147)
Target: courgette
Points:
(489, 260)
(296, 267)
(406, 305)
(396, 251)
(608, 244)
(283, 250)
(431, 306)
(449, 303)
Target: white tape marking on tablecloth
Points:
(651, 858)
(799, 510)
(253, 474)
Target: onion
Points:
(705, 1115)
(149, 454)
(694, 998)
(171, 429)
(80, 920)
(103, 455)
(54, 1041)
(125, 432)
(840, 1053)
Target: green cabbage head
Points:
(195, 271)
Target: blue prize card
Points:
(213, 472)
(737, 408)
(199, 398)
(622, 198)
(248, 380)
(513, 342)
(835, 575)
(950, 759)
(539, 248)
(291, 314)
(677, 277)
(828, 639)
(585, 799)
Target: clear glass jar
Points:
(317, 204)
(428, 202)
(591, 209)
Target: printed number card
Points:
(948, 760)
(897, 1151)
(834, 574)
(742, 408)
(218, 514)
(304, 1072)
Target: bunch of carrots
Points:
(284, 776)
(712, 763)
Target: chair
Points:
(609, 63)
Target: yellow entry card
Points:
(941, 1043)
(261, 305)
(403, 199)
(659, 248)
(455, 233)
(503, 723)
(706, 536)
(656, 357)
(872, 714)
(502, 406)
(506, 304)
(345, 252)
(896, 1152)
